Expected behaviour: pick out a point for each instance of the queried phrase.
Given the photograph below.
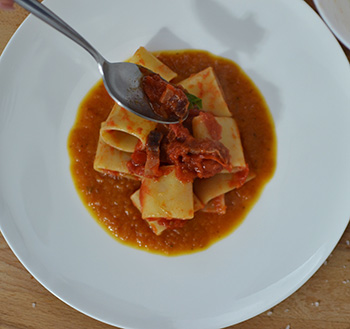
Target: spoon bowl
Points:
(123, 83)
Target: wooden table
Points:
(322, 303)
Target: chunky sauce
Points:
(108, 198)
(167, 100)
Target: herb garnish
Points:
(195, 102)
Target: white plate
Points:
(305, 77)
(336, 14)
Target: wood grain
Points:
(322, 303)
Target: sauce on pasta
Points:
(108, 197)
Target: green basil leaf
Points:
(194, 101)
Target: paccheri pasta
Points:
(182, 172)
(166, 193)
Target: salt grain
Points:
(288, 326)
(317, 304)
(325, 262)
(33, 305)
(269, 313)
(286, 310)
(348, 242)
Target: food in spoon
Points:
(167, 100)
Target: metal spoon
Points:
(122, 80)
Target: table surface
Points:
(322, 303)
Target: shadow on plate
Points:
(166, 40)
(240, 33)
(243, 36)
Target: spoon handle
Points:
(46, 15)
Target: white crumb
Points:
(33, 305)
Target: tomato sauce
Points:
(212, 126)
(107, 197)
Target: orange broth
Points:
(108, 198)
